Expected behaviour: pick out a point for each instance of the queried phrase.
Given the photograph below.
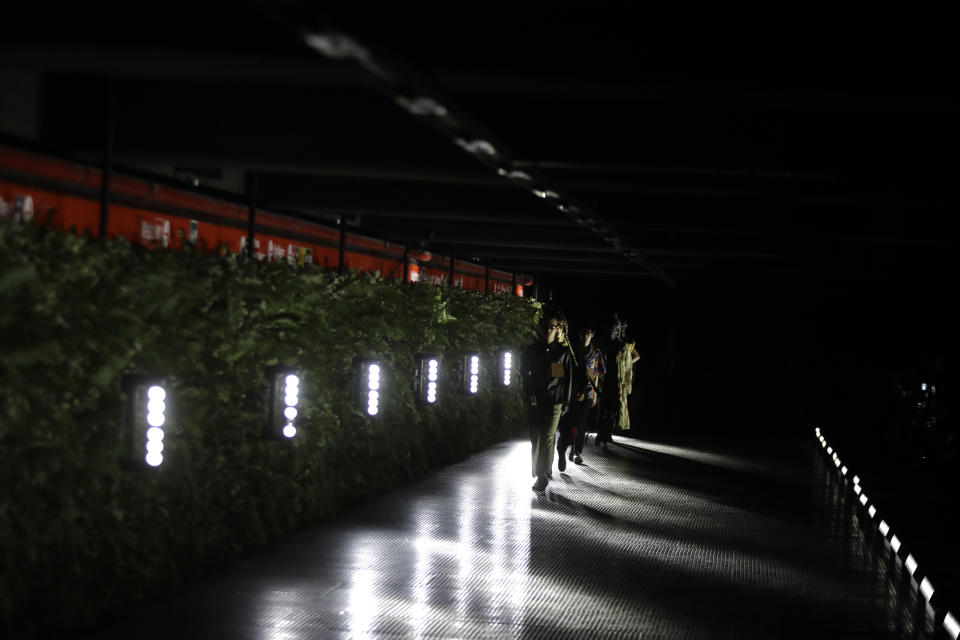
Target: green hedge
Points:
(80, 535)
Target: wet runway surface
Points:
(645, 540)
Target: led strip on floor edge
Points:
(950, 623)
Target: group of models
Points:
(571, 385)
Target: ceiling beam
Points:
(411, 94)
(509, 219)
(141, 62)
(522, 244)
(579, 270)
(804, 99)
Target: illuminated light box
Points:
(368, 386)
(284, 403)
(427, 382)
(469, 374)
(146, 420)
(507, 367)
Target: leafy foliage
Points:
(81, 535)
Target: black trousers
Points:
(574, 430)
(609, 408)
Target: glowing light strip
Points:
(951, 625)
(926, 588)
(911, 564)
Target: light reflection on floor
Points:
(624, 546)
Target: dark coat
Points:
(537, 371)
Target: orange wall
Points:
(65, 196)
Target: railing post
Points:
(252, 217)
(107, 168)
(343, 242)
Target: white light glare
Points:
(830, 450)
(156, 393)
(154, 446)
(154, 458)
(910, 563)
(291, 400)
(290, 413)
(926, 588)
(155, 433)
(895, 544)
(474, 365)
(843, 469)
(856, 489)
(372, 409)
(884, 528)
(836, 463)
(289, 431)
(373, 377)
(292, 381)
(863, 499)
(155, 419)
(872, 511)
(156, 406)
(478, 145)
(951, 625)
(856, 479)
(923, 386)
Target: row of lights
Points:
(427, 382)
(148, 395)
(950, 623)
(342, 47)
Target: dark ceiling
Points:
(553, 141)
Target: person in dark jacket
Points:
(590, 366)
(547, 372)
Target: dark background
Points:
(767, 196)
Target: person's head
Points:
(615, 327)
(587, 335)
(554, 327)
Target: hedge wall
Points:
(80, 535)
